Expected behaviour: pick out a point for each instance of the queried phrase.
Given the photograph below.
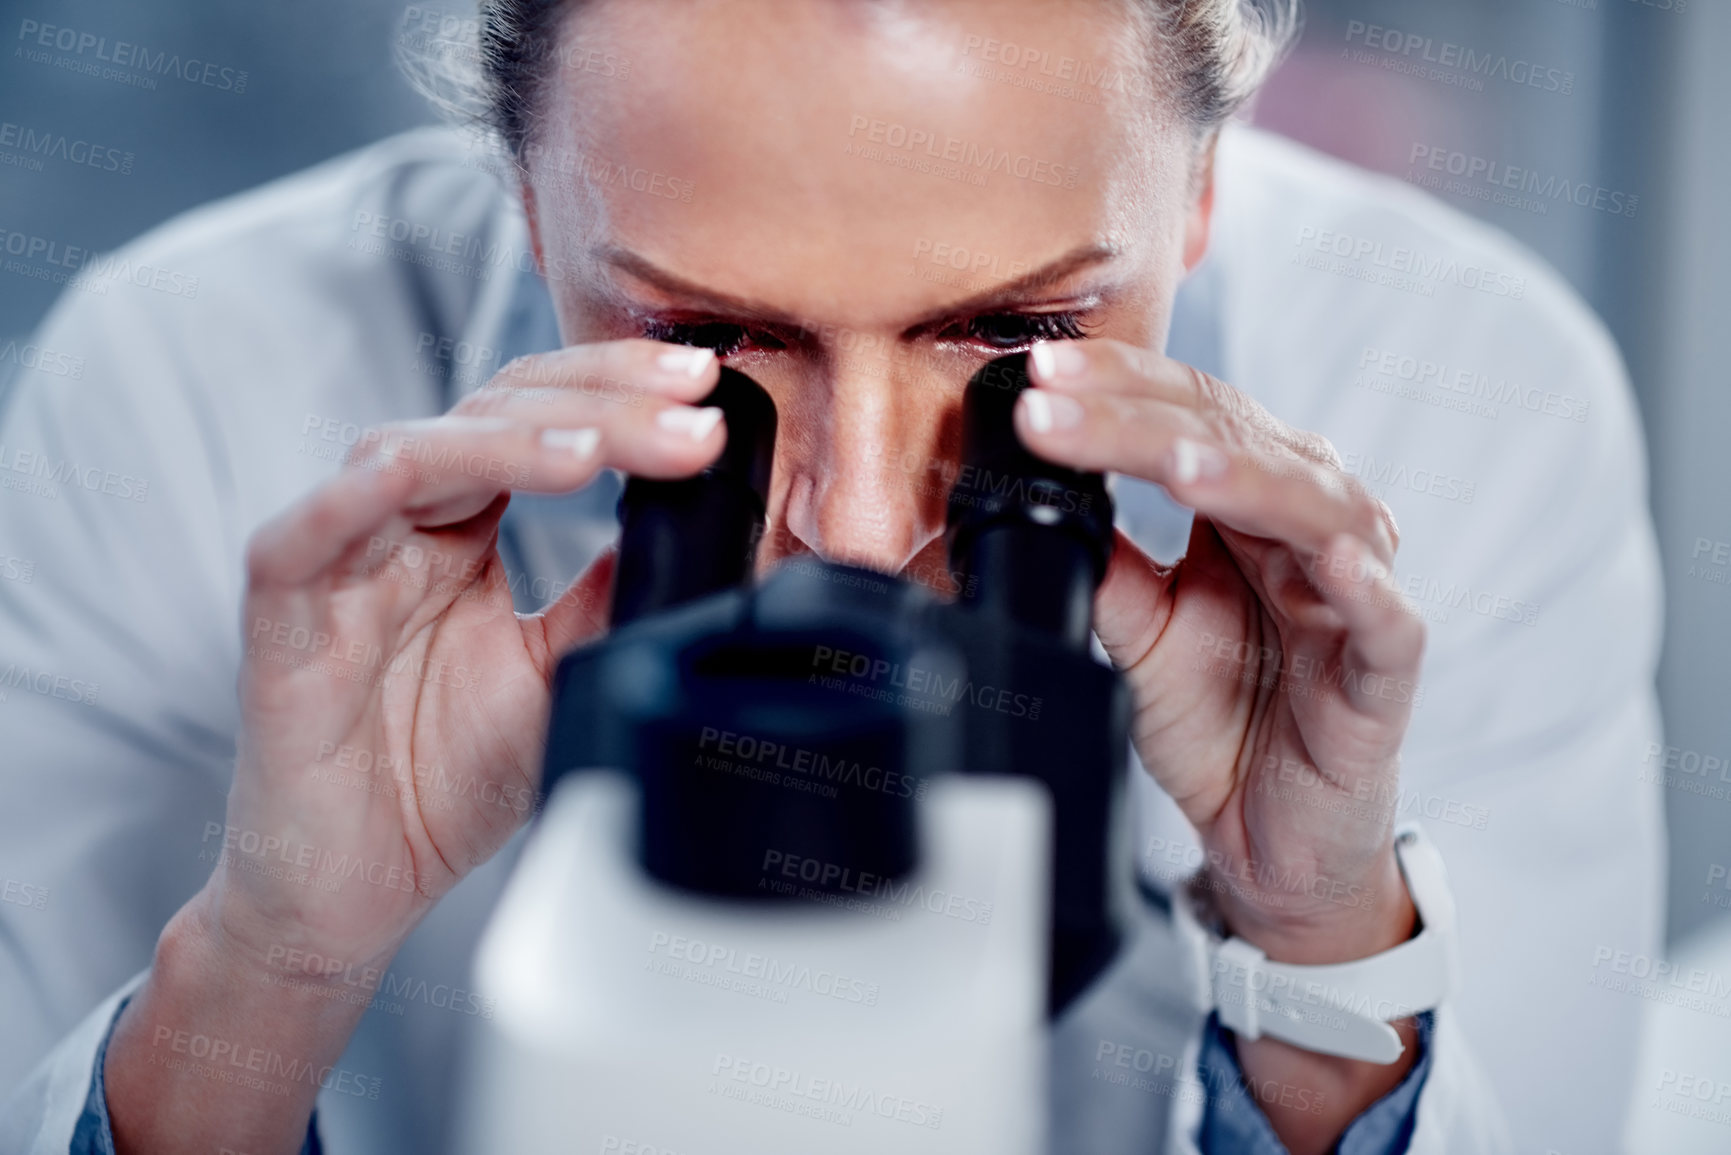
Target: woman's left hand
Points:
(1273, 668)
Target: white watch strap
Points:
(1345, 1008)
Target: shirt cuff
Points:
(94, 1136)
(1233, 1123)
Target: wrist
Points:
(211, 1052)
(259, 975)
(1323, 919)
(239, 937)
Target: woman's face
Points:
(859, 202)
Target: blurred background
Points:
(1643, 113)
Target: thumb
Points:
(1133, 605)
(583, 611)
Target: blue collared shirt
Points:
(1232, 1123)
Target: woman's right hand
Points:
(378, 632)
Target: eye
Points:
(725, 337)
(1010, 331)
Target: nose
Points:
(868, 469)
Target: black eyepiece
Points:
(683, 540)
(1031, 539)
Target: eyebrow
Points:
(643, 269)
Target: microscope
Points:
(821, 858)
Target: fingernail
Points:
(694, 423)
(1050, 411)
(1192, 461)
(580, 443)
(1052, 361)
(692, 363)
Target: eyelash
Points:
(728, 338)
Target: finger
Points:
(1107, 366)
(653, 437)
(1264, 491)
(1385, 636)
(1131, 608)
(583, 611)
(660, 439)
(1102, 365)
(438, 468)
(623, 371)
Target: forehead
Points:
(750, 144)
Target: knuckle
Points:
(490, 400)
(1210, 392)
(1318, 448)
(528, 369)
(1367, 523)
(372, 442)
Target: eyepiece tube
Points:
(1030, 539)
(686, 539)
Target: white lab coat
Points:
(169, 424)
